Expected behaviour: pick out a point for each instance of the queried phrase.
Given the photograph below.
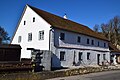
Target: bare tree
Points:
(96, 28)
(112, 30)
(4, 38)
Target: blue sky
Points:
(86, 12)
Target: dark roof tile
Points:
(65, 24)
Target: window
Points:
(80, 56)
(29, 36)
(33, 19)
(24, 22)
(87, 41)
(88, 56)
(62, 36)
(62, 55)
(104, 44)
(98, 43)
(92, 42)
(41, 35)
(19, 39)
(104, 56)
(79, 39)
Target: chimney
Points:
(65, 16)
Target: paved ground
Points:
(108, 75)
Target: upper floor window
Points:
(104, 44)
(88, 56)
(62, 55)
(33, 19)
(41, 35)
(62, 36)
(87, 41)
(79, 39)
(29, 36)
(19, 39)
(80, 56)
(98, 43)
(92, 42)
(24, 22)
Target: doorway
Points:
(98, 59)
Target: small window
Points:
(80, 56)
(19, 39)
(62, 36)
(98, 43)
(104, 44)
(41, 35)
(79, 39)
(104, 56)
(29, 36)
(87, 41)
(62, 55)
(33, 19)
(88, 56)
(24, 22)
(92, 42)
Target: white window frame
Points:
(29, 36)
(41, 35)
(19, 39)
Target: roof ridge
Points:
(66, 24)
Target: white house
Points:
(71, 43)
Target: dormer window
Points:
(24, 22)
(33, 19)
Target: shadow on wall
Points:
(56, 64)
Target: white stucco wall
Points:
(71, 41)
(34, 28)
(71, 47)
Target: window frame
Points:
(29, 37)
(80, 55)
(88, 41)
(78, 39)
(62, 36)
(104, 56)
(24, 22)
(62, 56)
(33, 19)
(92, 42)
(88, 55)
(41, 35)
(98, 43)
(104, 44)
(19, 39)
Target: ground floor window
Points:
(80, 56)
(104, 56)
(62, 55)
(88, 55)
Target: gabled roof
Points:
(65, 24)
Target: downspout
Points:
(50, 38)
(50, 50)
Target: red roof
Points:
(65, 24)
